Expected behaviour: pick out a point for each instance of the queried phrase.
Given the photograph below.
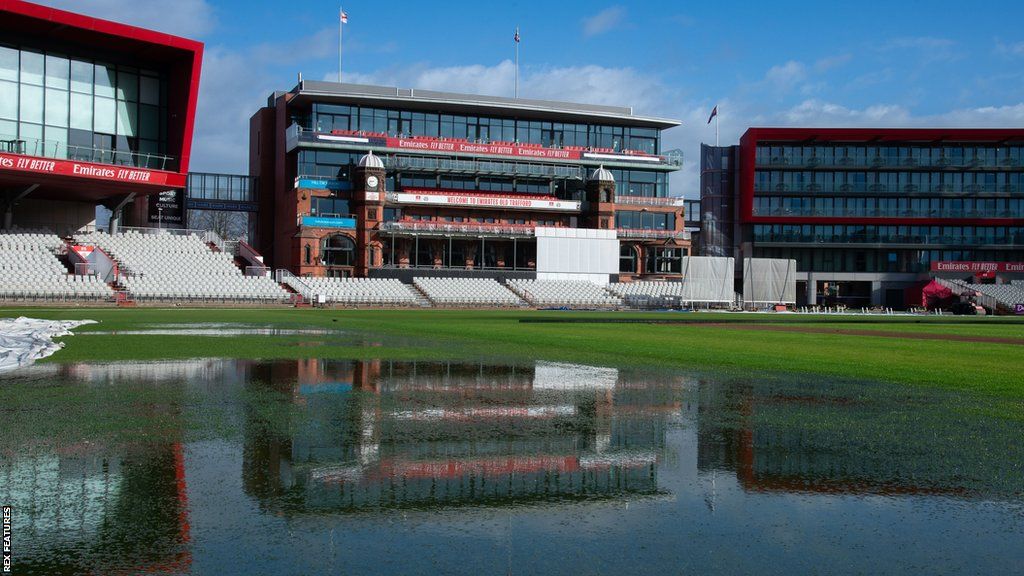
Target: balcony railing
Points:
(497, 167)
(660, 234)
(307, 134)
(649, 201)
(458, 229)
(62, 151)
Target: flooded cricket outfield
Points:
(382, 467)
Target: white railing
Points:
(631, 233)
(648, 201)
(283, 276)
(981, 298)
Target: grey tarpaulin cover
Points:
(708, 279)
(769, 281)
(25, 340)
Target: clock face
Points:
(371, 182)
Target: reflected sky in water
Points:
(380, 467)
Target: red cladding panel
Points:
(182, 58)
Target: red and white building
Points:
(92, 113)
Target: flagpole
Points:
(340, 28)
(716, 130)
(515, 91)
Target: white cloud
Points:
(830, 62)
(786, 76)
(188, 18)
(1012, 49)
(603, 21)
(589, 84)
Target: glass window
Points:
(81, 77)
(56, 108)
(31, 104)
(30, 132)
(149, 121)
(57, 72)
(81, 111)
(56, 142)
(8, 129)
(8, 100)
(127, 119)
(8, 64)
(105, 115)
(149, 90)
(127, 86)
(104, 80)
(31, 68)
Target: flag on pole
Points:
(714, 112)
(344, 17)
(516, 37)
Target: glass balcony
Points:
(62, 151)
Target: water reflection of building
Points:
(404, 434)
(95, 505)
(99, 504)
(852, 439)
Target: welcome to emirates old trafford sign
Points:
(34, 165)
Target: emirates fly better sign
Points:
(34, 165)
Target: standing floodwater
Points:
(378, 467)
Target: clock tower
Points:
(368, 206)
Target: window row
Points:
(220, 187)
(635, 220)
(871, 234)
(905, 261)
(900, 182)
(327, 117)
(58, 72)
(339, 165)
(877, 155)
(333, 207)
(889, 207)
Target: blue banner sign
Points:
(322, 184)
(1018, 308)
(326, 222)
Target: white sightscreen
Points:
(769, 281)
(708, 279)
(577, 253)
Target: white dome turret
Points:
(602, 174)
(371, 161)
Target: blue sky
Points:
(873, 63)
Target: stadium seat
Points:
(647, 294)
(30, 269)
(564, 294)
(166, 266)
(356, 291)
(476, 292)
